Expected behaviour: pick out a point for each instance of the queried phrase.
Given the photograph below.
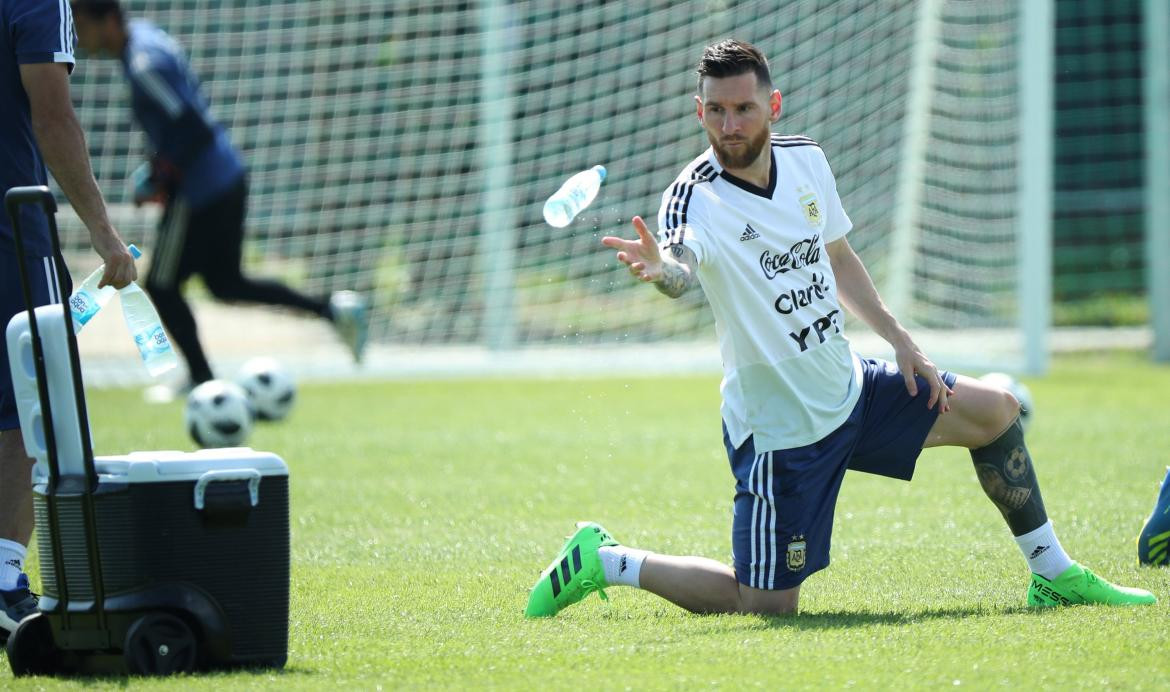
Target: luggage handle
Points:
(32, 194)
(42, 196)
(224, 475)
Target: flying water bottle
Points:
(146, 328)
(576, 194)
(88, 298)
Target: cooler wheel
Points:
(31, 650)
(160, 644)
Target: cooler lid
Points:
(171, 466)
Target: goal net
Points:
(404, 149)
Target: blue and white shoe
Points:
(1153, 543)
(351, 318)
(15, 605)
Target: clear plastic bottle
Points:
(88, 298)
(576, 194)
(146, 328)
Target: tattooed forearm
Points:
(677, 275)
(675, 280)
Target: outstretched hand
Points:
(641, 256)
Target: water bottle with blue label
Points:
(576, 194)
(146, 328)
(88, 298)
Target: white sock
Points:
(1043, 551)
(622, 565)
(12, 556)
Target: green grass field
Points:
(422, 512)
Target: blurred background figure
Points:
(197, 173)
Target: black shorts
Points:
(204, 241)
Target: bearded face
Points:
(737, 114)
(740, 151)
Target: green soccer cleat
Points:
(1078, 585)
(574, 574)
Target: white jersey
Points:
(790, 377)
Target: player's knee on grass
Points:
(763, 602)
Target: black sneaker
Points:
(16, 605)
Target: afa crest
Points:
(811, 208)
(796, 553)
(810, 205)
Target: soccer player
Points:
(756, 221)
(37, 128)
(200, 176)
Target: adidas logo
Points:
(622, 565)
(749, 233)
(561, 580)
(1037, 552)
(1157, 552)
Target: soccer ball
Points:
(218, 414)
(1018, 389)
(270, 388)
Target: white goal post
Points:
(1157, 150)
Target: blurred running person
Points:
(38, 128)
(198, 174)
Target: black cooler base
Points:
(194, 568)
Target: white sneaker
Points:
(166, 393)
(351, 319)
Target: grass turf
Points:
(422, 513)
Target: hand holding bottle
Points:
(141, 317)
(93, 293)
(117, 260)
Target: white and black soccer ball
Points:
(218, 414)
(270, 388)
(1018, 389)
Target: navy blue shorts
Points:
(44, 291)
(784, 500)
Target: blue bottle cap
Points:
(600, 171)
(134, 250)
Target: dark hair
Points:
(97, 9)
(731, 58)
